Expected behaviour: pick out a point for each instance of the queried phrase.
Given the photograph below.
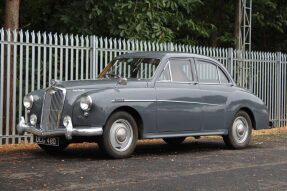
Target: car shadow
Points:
(143, 149)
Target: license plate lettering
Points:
(53, 141)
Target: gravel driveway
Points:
(204, 164)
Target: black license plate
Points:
(53, 141)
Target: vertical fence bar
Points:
(72, 57)
(82, 58)
(33, 62)
(20, 75)
(27, 35)
(87, 57)
(278, 67)
(2, 39)
(56, 57)
(8, 65)
(44, 60)
(66, 57)
(61, 56)
(77, 57)
(230, 60)
(93, 67)
(39, 61)
(13, 125)
(50, 55)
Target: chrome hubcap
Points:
(240, 129)
(121, 135)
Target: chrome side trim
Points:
(129, 100)
(170, 101)
(186, 134)
(189, 102)
(68, 132)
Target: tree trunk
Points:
(11, 18)
(11, 21)
(237, 23)
(214, 38)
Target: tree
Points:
(200, 22)
(237, 23)
(11, 21)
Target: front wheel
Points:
(120, 135)
(239, 134)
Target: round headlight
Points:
(28, 101)
(86, 103)
(33, 119)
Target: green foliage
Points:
(270, 25)
(154, 20)
(200, 22)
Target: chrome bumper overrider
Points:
(69, 131)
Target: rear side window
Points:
(181, 71)
(207, 72)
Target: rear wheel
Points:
(174, 140)
(120, 135)
(239, 134)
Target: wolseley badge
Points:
(51, 91)
(53, 82)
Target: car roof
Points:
(161, 55)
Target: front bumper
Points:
(68, 132)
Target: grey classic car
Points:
(144, 95)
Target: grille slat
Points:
(52, 108)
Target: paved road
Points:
(204, 164)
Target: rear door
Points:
(215, 90)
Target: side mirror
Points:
(122, 81)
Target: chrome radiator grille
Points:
(52, 108)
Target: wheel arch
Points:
(135, 114)
(251, 115)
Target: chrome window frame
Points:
(192, 67)
(217, 68)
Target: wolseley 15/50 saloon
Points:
(144, 95)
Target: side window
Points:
(222, 77)
(165, 75)
(181, 71)
(207, 72)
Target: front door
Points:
(178, 98)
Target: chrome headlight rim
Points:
(28, 101)
(86, 103)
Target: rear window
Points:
(207, 72)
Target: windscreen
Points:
(139, 68)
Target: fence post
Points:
(92, 57)
(170, 46)
(278, 71)
(230, 60)
(2, 37)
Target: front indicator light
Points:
(33, 119)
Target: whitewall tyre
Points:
(239, 133)
(120, 135)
